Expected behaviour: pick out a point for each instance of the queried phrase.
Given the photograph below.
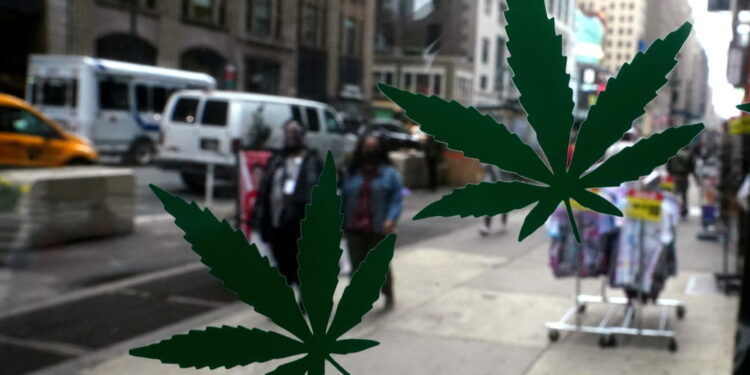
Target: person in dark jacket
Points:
(285, 189)
(372, 203)
(681, 166)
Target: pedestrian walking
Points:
(681, 166)
(493, 174)
(372, 203)
(433, 151)
(285, 189)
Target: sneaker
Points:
(484, 231)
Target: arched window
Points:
(126, 47)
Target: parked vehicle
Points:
(393, 132)
(29, 139)
(117, 105)
(210, 127)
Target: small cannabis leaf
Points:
(539, 67)
(744, 107)
(249, 275)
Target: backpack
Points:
(680, 164)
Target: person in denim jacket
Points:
(372, 198)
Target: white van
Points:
(116, 105)
(202, 127)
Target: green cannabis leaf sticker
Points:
(250, 276)
(744, 107)
(539, 74)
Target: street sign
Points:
(739, 126)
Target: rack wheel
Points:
(553, 335)
(607, 341)
(672, 345)
(582, 308)
(680, 312)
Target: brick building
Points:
(309, 48)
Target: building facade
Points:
(685, 98)
(454, 48)
(625, 28)
(315, 49)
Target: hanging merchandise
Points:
(635, 253)
(645, 252)
(591, 256)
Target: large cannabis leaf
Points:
(539, 67)
(249, 275)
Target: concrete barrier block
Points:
(43, 207)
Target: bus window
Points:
(141, 98)
(215, 113)
(185, 110)
(159, 97)
(113, 96)
(313, 121)
(58, 92)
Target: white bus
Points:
(116, 105)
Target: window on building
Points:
(488, 6)
(311, 28)
(483, 82)
(485, 50)
(433, 36)
(262, 76)
(350, 37)
(503, 8)
(426, 84)
(207, 12)
(145, 4)
(260, 17)
(500, 65)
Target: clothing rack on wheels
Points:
(630, 322)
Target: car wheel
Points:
(142, 153)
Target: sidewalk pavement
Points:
(477, 305)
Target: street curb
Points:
(103, 288)
(77, 365)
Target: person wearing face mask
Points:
(372, 203)
(284, 191)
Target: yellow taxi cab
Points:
(30, 139)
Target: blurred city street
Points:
(468, 304)
(551, 116)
